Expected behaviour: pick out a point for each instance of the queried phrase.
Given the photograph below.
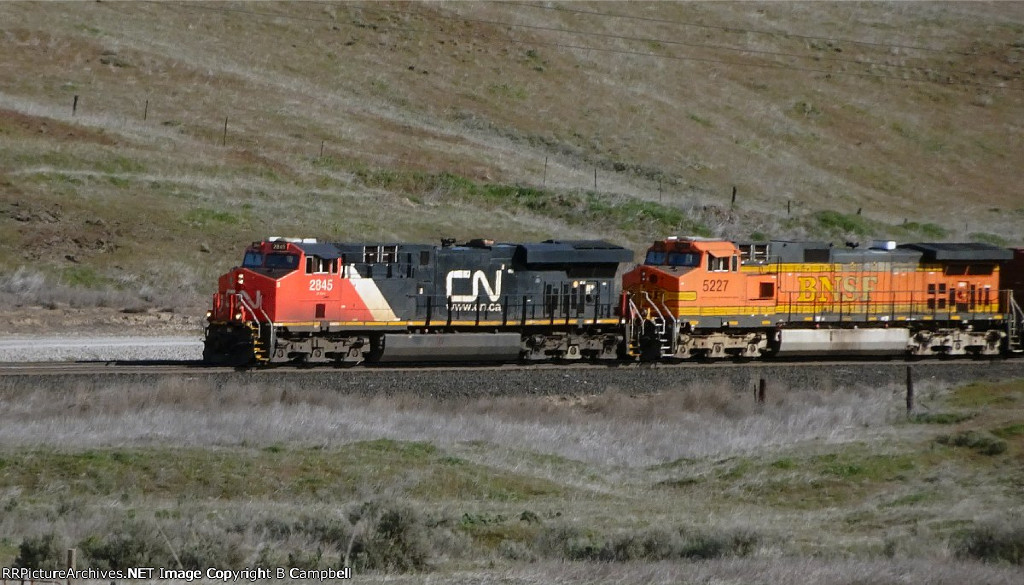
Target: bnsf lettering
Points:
(825, 289)
(321, 284)
(477, 280)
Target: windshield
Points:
(683, 259)
(252, 260)
(654, 258)
(282, 261)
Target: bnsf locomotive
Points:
(304, 301)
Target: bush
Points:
(649, 545)
(516, 551)
(393, 537)
(40, 552)
(652, 544)
(132, 544)
(994, 542)
(209, 550)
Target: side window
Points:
(716, 264)
(389, 254)
(370, 254)
(317, 265)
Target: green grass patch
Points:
(1009, 431)
(941, 418)
(840, 223)
(274, 472)
(577, 208)
(926, 230)
(866, 467)
(982, 443)
(987, 238)
(120, 164)
(983, 394)
(84, 276)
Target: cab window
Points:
(683, 259)
(654, 258)
(252, 260)
(282, 261)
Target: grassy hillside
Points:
(815, 486)
(200, 127)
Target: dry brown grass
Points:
(835, 479)
(446, 87)
(692, 422)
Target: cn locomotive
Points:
(303, 301)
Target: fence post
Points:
(761, 386)
(145, 112)
(74, 106)
(545, 171)
(224, 139)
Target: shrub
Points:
(648, 545)
(393, 537)
(994, 542)
(651, 544)
(132, 544)
(40, 552)
(210, 550)
(516, 551)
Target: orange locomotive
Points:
(706, 298)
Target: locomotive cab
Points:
(680, 275)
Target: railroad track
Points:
(174, 367)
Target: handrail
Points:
(248, 303)
(1016, 319)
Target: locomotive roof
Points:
(963, 251)
(573, 252)
(546, 252)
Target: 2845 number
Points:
(318, 284)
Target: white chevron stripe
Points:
(367, 290)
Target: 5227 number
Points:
(715, 285)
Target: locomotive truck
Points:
(302, 301)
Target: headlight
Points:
(238, 316)
(241, 278)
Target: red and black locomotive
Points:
(303, 301)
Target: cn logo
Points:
(477, 279)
